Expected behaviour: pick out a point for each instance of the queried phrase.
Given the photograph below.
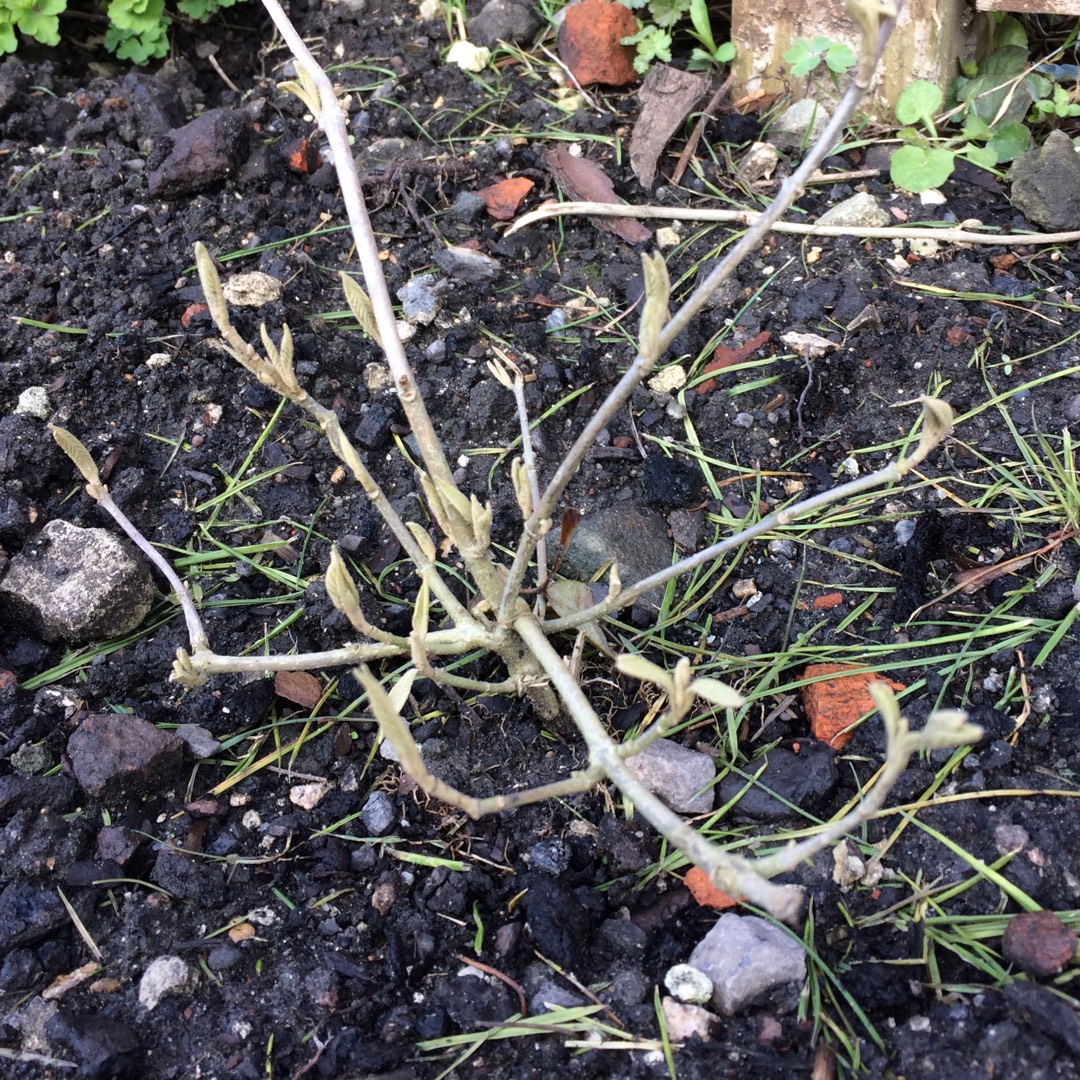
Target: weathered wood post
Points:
(930, 36)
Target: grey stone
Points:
(782, 549)
(750, 961)
(799, 779)
(551, 995)
(77, 585)
(552, 856)
(1046, 184)
(166, 975)
(503, 20)
(420, 300)
(676, 775)
(466, 207)
(378, 814)
(464, 264)
(859, 211)
(636, 539)
(799, 126)
(198, 740)
(28, 914)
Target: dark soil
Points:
(352, 955)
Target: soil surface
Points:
(315, 947)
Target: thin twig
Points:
(332, 122)
(753, 217)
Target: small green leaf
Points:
(637, 667)
(40, 26)
(716, 693)
(982, 157)
(666, 13)
(918, 102)
(976, 128)
(699, 16)
(840, 57)
(1009, 141)
(802, 58)
(652, 44)
(918, 168)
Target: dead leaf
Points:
(503, 198)
(584, 181)
(808, 346)
(724, 357)
(63, 983)
(299, 687)
(568, 598)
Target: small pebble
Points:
(688, 984)
(1039, 943)
(308, 796)
(33, 401)
(378, 814)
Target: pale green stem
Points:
(889, 475)
(735, 875)
(196, 633)
(332, 122)
(450, 642)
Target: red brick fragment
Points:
(503, 198)
(590, 43)
(835, 703)
(704, 891)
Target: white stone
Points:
(377, 376)
(668, 380)
(759, 162)
(688, 984)
(33, 401)
(860, 211)
(308, 796)
(166, 975)
(687, 1021)
(468, 57)
(252, 289)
